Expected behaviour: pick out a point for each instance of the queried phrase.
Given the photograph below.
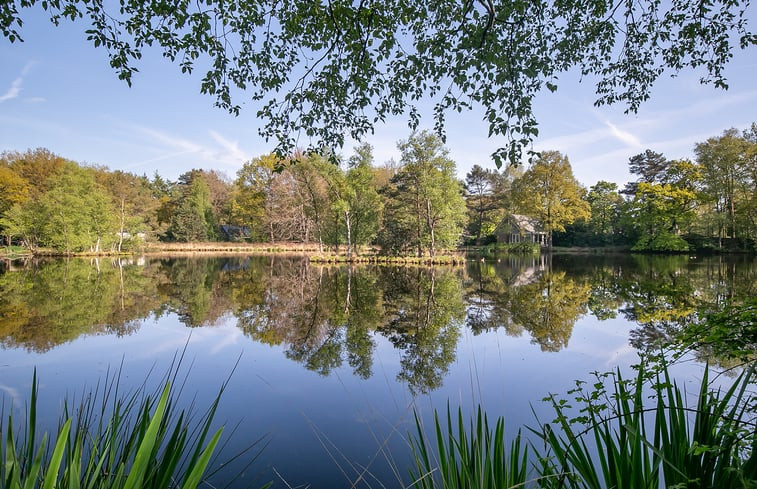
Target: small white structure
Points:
(517, 228)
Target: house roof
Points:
(525, 223)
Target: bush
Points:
(663, 242)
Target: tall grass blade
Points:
(201, 464)
(51, 475)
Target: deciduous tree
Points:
(427, 201)
(548, 192)
(728, 185)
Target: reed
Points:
(462, 458)
(620, 442)
(109, 440)
(616, 439)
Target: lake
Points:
(327, 364)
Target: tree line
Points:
(708, 203)
(417, 206)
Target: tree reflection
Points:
(667, 295)
(525, 295)
(331, 317)
(326, 316)
(323, 315)
(549, 307)
(424, 313)
(47, 304)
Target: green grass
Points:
(522, 248)
(620, 438)
(472, 458)
(111, 440)
(13, 251)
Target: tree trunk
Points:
(123, 221)
(431, 224)
(348, 225)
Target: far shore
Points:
(311, 250)
(366, 254)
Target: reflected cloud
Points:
(13, 393)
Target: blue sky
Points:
(58, 92)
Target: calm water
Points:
(331, 361)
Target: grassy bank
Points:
(453, 260)
(12, 252)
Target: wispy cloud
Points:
(35, 100)
(16, 85)
(231, 147)
(623, 136)
(13, 91)
(224, 153)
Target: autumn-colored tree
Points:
(39, 167)
(548, 192)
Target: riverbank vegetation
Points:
(632, 433)
(417, 207)
(610, 432)
(647, 431)
(111, 439)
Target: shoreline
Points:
(311, 250)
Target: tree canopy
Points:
(549, 192)
(336, 68)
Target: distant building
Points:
(235, 233)
(517, 228)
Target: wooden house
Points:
(517, 228)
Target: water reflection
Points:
(326, 317)
(522, 296)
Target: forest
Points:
(416, 206)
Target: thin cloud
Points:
(231, 147)
(16, 85)
(13, 91)
(229, 154)
(176, 144)
(35, 100)
(623, 136)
